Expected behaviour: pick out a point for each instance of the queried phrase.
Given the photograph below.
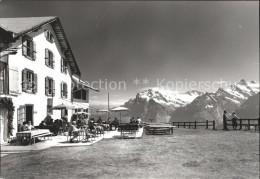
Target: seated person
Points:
(25, 126)
(73, 130)
(107, 121)
(92, 126)
(42, 124)
(92, 119)
(20, 127)
(132, 120)
(56, 126)
(30, 126)
(48, 120)
(99, 121)
(65, 119)
(115, 123)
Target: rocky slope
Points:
(158, 104)
(250, 108)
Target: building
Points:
(37, 71)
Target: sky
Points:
(125, 47)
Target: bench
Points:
(42, 135)
(128, 129)
(159, 129)
(30, 136)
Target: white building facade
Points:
(38, 75)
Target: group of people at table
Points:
(77, 124)
(25, 126)
(91, 127)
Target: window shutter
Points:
(13, 80)
(46, 34)
(24, 80)
(51, 38)
(46, 86)
(61, 89)
(35, 83)
(24, 46)
(53, 88)
(34, 50)
(66, 91)
(46, 56)
(21, 114)
(53, 61)
(61, 64)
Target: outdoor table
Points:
(160, 127)
(33, 134)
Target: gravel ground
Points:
(188, 153)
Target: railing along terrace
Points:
(195, 124)
(246, 122)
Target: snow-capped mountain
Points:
(156, 103)
(210, 106)
(250, 108)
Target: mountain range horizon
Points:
(163, 105)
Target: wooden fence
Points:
(247, 123)
(195, 124)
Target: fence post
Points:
(240, 124)
(207, 124)
(195, 125)
(178, 124)
(189, 125)
(248, 124)
(184, 125)
(259, 124)
(214, 124)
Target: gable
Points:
(21, 26)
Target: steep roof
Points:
(23, 25)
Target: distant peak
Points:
(194, 92)
(220, 90)
(242, 82)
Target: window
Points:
(49, 106)
(82, 94)
(49, 36)
(3, 75)
(29, 48)
(29, 81)
(49, 58)
(64, 90)
(49, 87)
(64, 66)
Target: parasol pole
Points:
(108, 104)
(120, 117)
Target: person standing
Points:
(234, 121)
(225, 118)
(139, 121)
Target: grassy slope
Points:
(186, 154)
